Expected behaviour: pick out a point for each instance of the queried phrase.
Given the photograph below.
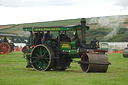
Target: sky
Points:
(28, 11)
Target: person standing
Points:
(38, 38)
(5, 40)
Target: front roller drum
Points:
(94, 63)
(42, 57)
(125, 53)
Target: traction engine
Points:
(58, 53)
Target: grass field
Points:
(13, 72)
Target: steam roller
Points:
(58, 53)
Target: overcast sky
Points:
(27, 11)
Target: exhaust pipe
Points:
(83, 31)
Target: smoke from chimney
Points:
(110, 22)
(123, 4)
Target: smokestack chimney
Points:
(83, 30)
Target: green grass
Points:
(13, 72)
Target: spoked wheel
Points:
(95, 63)
(42, 57)
(4, 48)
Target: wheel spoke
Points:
(40, 51)
(36, 60)
(40, 65)
(46, 60)
(37, 54)
(44, 54)
(44, 65)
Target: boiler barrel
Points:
(72, 53)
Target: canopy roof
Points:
(54, 28)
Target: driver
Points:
(47, 35)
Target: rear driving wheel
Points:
(42, 57)
(4, 48)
